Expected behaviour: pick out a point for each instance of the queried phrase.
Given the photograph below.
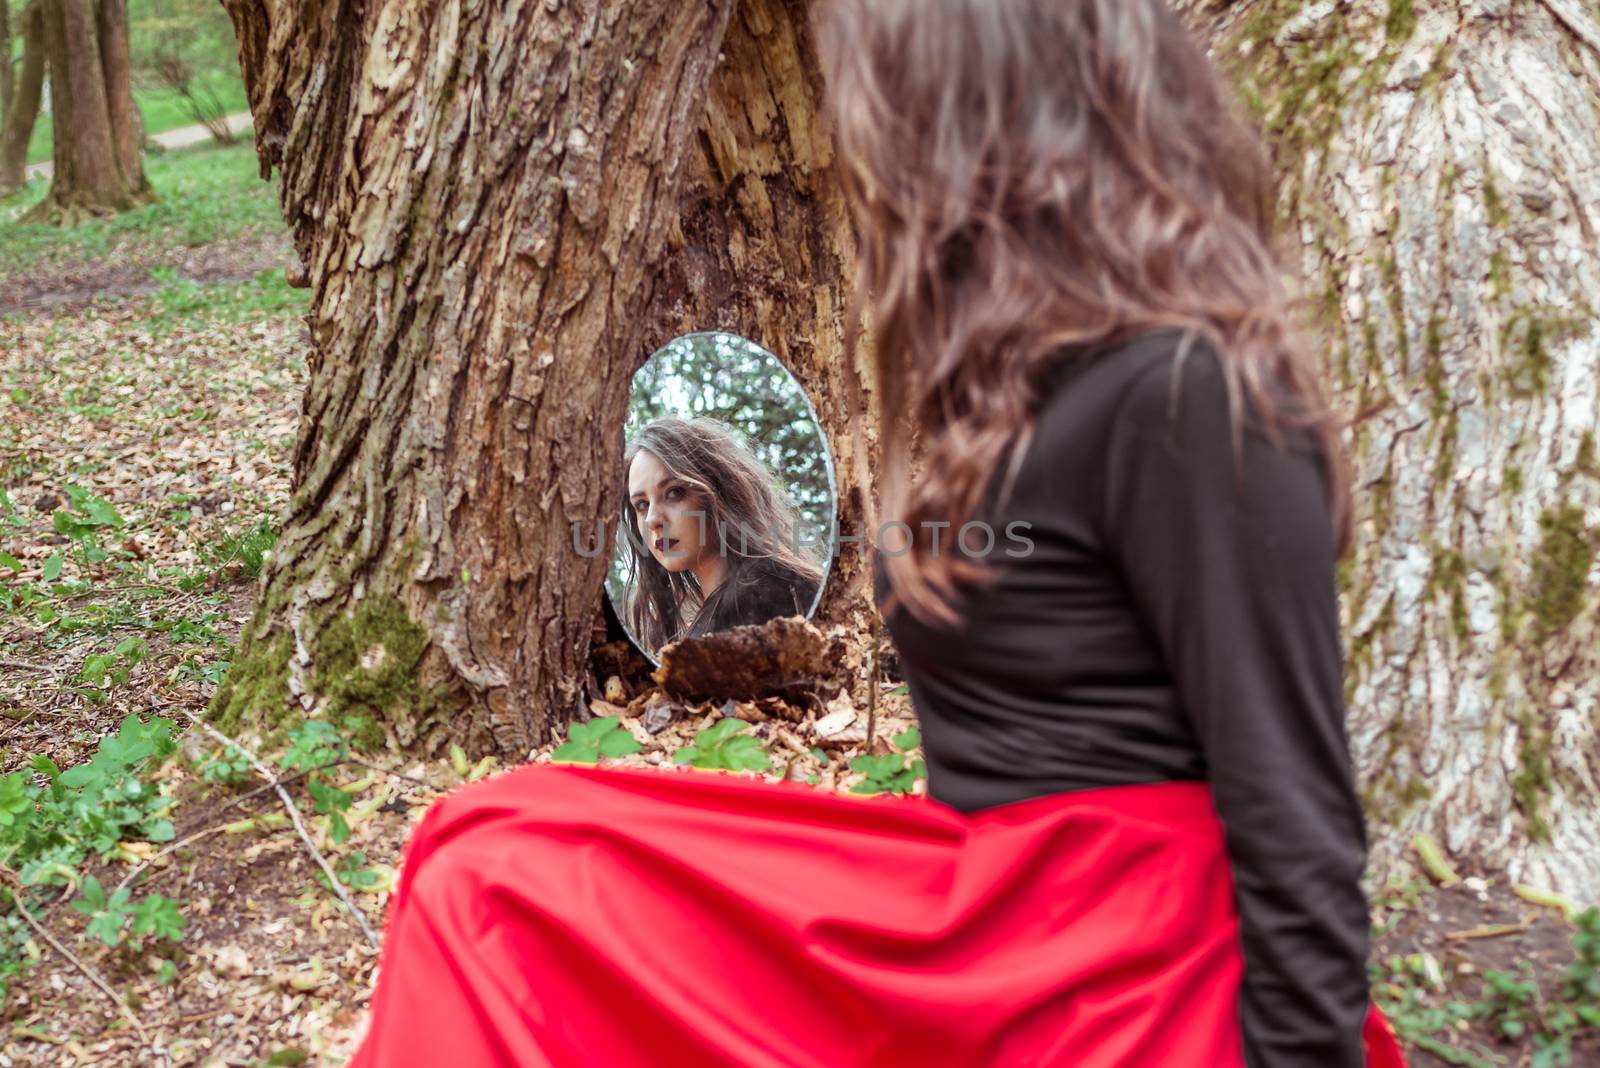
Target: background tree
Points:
(1441, 185)
(7, 63)
(20, 109)
(98, 136)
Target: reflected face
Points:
(663, 507)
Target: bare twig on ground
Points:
(214, 828)
(1490, 930)
(294, 816)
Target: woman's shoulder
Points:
(786, 588)
(1175, 384)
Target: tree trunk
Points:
(482, 196)
(93, 174)
(7, 67)
(127, 131)
(1441, 181)
(17, 130)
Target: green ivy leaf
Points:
(52, 568)
(619, 743)
(576, 752)
(94, 896)
(745, 753)
(719, 731)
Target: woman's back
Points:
(1175, 618)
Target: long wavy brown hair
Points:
(746, 516)
(1030, 181)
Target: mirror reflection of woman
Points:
(711, 542)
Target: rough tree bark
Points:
(1441, 181)
(483, 197)
(23, 111)
(97, 158)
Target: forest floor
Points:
(156, 905)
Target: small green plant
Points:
(227, 766)
(248, 549)
(314, 747)
(192, 670)
(102, 672)
(892, 772)
(725, 746)
(602, 736)
(50, 828)
(1581, 983)
(1406, 988)
(1511, 1003)
(332, 802)
(156, 916)
(107, 916)
(352, 872)
(82, 525)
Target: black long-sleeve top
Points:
(1171, 621)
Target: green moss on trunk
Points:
(1532, 782)
(1561, 568)
(366, 661)
(256, 690)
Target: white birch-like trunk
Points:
(1440, 167)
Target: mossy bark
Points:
(1440, 167)
(503, 208)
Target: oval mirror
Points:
(728, 494)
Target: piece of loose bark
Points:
(786, 657)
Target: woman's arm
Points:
(1237, 584)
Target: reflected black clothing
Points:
(1171, 623)
(763, 591)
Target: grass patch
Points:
(161, 108)
(182, 300)
(203, 195)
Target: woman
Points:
(711, 542)
(1142, 844)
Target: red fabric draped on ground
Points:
(560, 916)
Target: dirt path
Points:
(182, 137)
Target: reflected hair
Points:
(746, 516)
(1031, 181)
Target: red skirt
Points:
(562, 916)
